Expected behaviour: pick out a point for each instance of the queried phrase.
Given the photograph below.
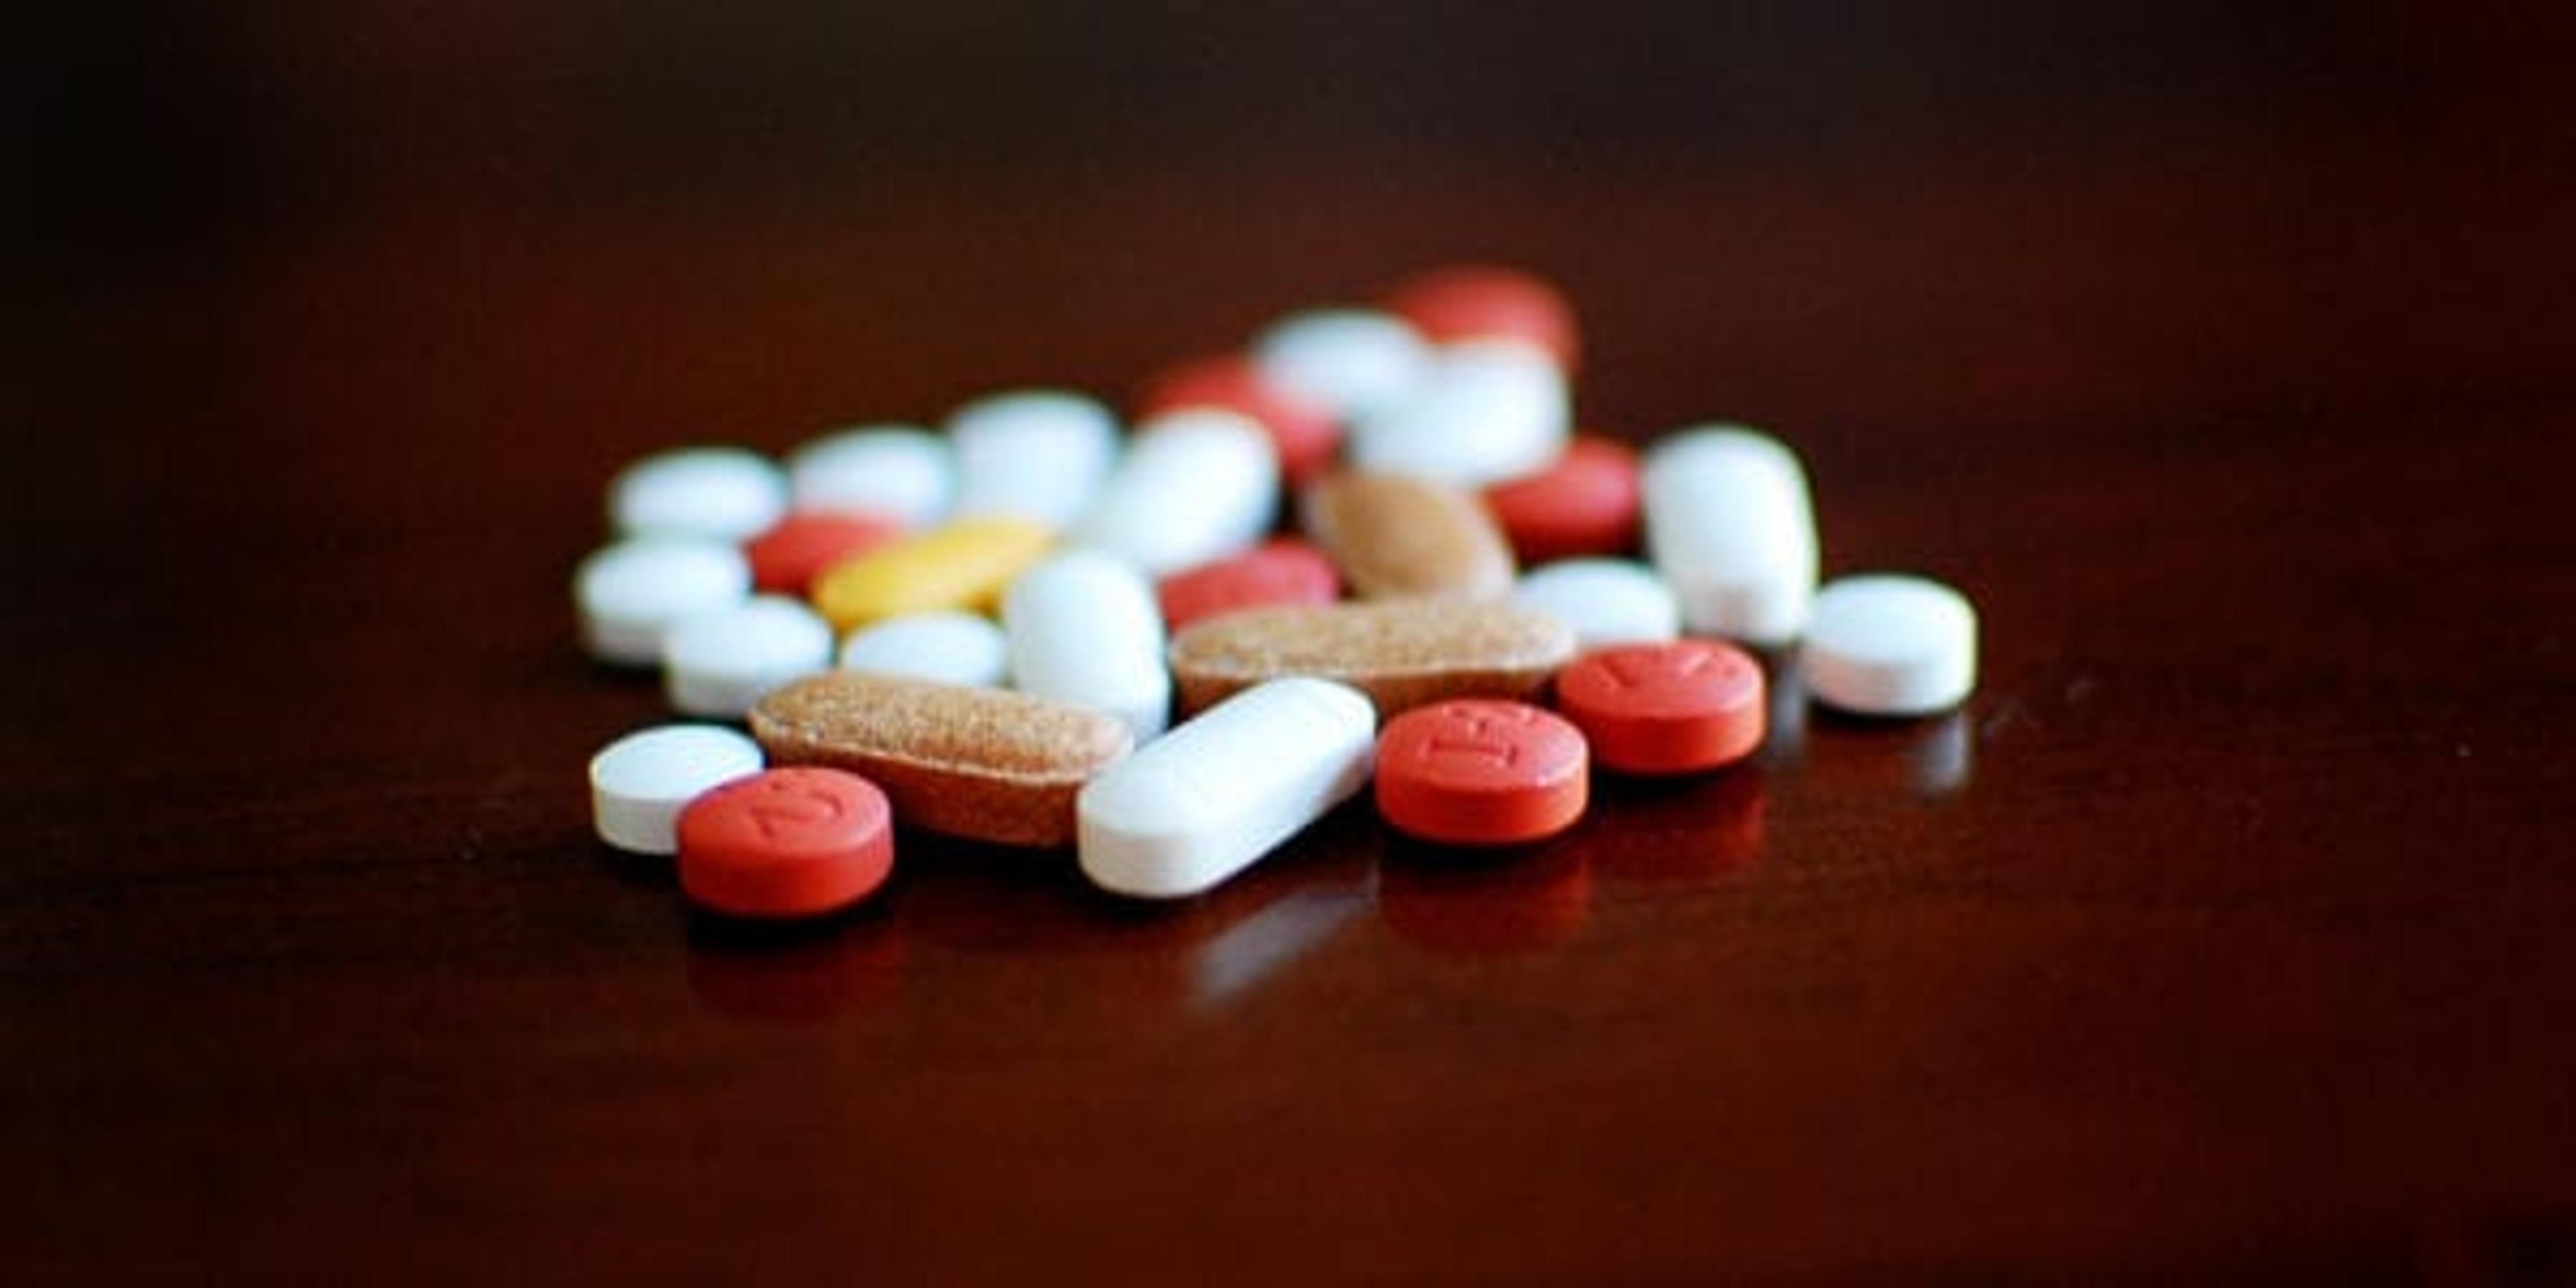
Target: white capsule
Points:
(629, 594)
(897, 471)
(641, 782)
(1484, 411)
(1890, 645)
(1037, 454)
(1604, 601)
(948, 646)
(1205, 801)
(1084, 628)
(721, 493)
(1729, 526)
(1195, 486)
(720, 663)
(1350, 362)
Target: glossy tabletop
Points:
(2229, 932)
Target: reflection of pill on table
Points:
(1483, 302)
(639, 783)
(786, 558)
(1887, 644)
(1585, 503)
(721, 493)
(631, 593)
(950, 646)
(1673, 708)
(1282, 571)
(793, 842)
(1481, 772)
(1226, 788)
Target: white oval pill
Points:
(1084, 629)
(1729, 526)
(1037, 454)
(721, 493)
(948, 646)
(1195, 486)
(641, 782)
(1208, 799)
(897, 471)
(720, 663)
(630, 593)
(1484, 411)
(1888, 644)
(1604, 601)
(1350, 362)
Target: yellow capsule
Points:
(961, 564)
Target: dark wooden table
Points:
(2223, 356)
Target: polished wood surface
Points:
(2229, 933)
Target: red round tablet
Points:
(786, 559)
(1584, 504)
(1476, 302)
(793, 842)
(1306, 435)
(1480, 772)
(1284, 571)
(1674, 708)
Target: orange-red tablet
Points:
(1676, 708)
(786, 558)
(1472, 302)
(1283, 571)
(1584, 504)
(1481, 772)
(796, 842)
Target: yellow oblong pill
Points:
(961, 564)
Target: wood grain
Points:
(2220, 355)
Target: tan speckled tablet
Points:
(979, 763)
(1399, 537)
(1402, 653)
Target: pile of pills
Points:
(1036, 629)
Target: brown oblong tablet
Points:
(984, 764)
(1399, 537)
(1401, 653)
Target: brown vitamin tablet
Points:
(984, 764)
(1399, 537)
(1402, 653)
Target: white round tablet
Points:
(630, 593)
(641, 782)
(1037, 454)
(722, 493)
(950, 647)
(720, 663)
(1887, 644)
(1349, 362)
(901, 472)
(1481, 412)
(1604, 601)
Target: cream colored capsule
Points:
(1401, 653)
(985, 764)
(1395, 536)
(964, 563)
